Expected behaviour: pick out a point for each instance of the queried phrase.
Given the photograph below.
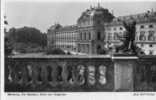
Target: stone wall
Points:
(59, 74)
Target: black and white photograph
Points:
(78, 46)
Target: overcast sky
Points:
(43, 14)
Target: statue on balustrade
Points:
(128, 45)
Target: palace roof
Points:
(58, 27)
(139, 18)
(93, 12)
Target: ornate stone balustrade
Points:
(59, 73)
(145, 74)
(80, 73)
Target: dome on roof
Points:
(95, 12)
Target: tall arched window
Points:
(84, 34)
(89, 35)
(98, 35)
(81, 36)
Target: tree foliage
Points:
(28, 35)
(8, 45)
(25, 39)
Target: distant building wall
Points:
(64, 38)
(145, 31)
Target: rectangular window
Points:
(98, 35)
(114, 28)
(142, 36)
(151, 52)
(84, 34)
(151, 26)
(121, 28)
(89, 36)
(80, 36)
(150, 45)
(142, 26)
(151, 36)
(115, 36)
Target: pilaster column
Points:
(123, 72)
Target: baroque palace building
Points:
(97, 27)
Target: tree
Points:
(28, 34)
(7, 42)
(30, 38)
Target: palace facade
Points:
(97, 27)
(63, 37)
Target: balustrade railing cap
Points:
(20, 56)
(124, 57)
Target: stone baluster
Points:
(44, 76)
(54, 74)
(13, 75)
(24, 79)
(18, 73)
(29, 73)
(80, 77)
(72, 79)
(8, 74)
(35, 74)
(59, 74)
(64, 72)
(49, 74)
(7, 71)
(102, 77)
(91, 75)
